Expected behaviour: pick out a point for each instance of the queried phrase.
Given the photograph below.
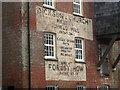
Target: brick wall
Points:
(11, 45)
(15, 54)
(37, 52)
(14, 45)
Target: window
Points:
(98, 88)
(105, 87)
(79, 49)
(49, 43)
(81, 87)
(49, 3)
(51, 87)
(104, 71)
(77, 8)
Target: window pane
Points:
(81, 54)
(51, 2)
(74, 6)
(47, 51)
(48, 2)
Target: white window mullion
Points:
(49, 45)
(81, 87)
(80, 8)
(54, 45)
(51, 87)
(77, 7)
(79, 54)
(49, 3)
(82, 50)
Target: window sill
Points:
(49, 7)
(80, 62)
(51, 59)
(76, 14)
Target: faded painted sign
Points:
(63, 70)
(66, 27)
(63, 23)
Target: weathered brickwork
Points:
(14, 45)
(93, 78)
(15, 48)
(11, 45)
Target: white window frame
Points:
(52, 86)
(80, 5)
(47, 5)
(105, 87)
(81, 87)
(76, 59)
(50, 57)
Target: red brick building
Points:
(53, 44)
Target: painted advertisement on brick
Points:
(66, 27)
(65, 70)
(63, 23)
